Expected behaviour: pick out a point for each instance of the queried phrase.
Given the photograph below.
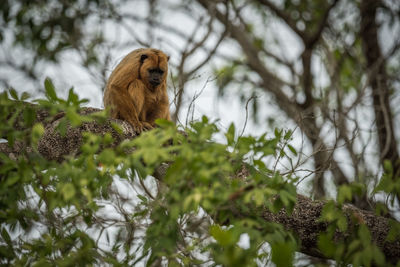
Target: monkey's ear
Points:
(143, 57)
(167, 58)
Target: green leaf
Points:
(364, 235)
(12, 179)
(278, 133)
(29, 115)
(73, 117)
(107, 157)
(258, 196)
(50, 89)
(328, 212)
(222, 236)
(344, 194)
(164, 123)
(13, 94)
(142, 198)
(394, 232)
(387, 165)
(230, 135)
(288, 135)
(68, 191)
(326, 245)
(72, 97)
(283, 254)
(118, 128)
(62, 126)
(6, 236)
(37, 133)
(378, 256)
(342, 222)
(25, 96)
(386, 184)
(292, 149)
(287, 198)
(354, 246)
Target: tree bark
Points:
(378, 80)
(303, 221)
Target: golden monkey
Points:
(137, 89)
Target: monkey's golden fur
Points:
(137, 89)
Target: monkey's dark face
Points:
(155, 76)
(153, 68)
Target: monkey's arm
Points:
(137, 92)
(160, 112)
(123, 106)
(164, 111)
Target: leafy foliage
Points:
(48, 27)
(97, 207)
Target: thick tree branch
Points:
(304, 222)
(379, 83)
(55, 147)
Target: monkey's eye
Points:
(143, 57)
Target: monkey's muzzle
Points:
(155, 82)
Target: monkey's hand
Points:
(147, 126)
(141, 126)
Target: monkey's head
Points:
(153, 69)
(146, 64)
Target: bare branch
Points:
(285, 17)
